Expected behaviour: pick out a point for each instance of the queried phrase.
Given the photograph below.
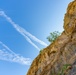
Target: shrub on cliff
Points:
(53, 36)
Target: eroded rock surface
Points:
(62, 51)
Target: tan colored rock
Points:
(62, 51)
(70, 18)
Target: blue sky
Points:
(30, 23)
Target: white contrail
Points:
(8, 55)
(22, 30)
(1, 12)
(18, 28)
(32, 37)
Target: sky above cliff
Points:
(24, 27)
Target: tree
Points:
(53, 36)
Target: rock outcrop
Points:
(59, 58)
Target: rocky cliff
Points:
(59, 58)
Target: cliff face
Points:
(59, 58)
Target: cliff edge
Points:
(59, 58)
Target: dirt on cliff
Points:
(59, 58)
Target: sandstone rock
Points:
(70, 18)
(62, 51)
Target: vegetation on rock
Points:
(53, 36)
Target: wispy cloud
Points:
(33, 37)
(8, 55)
(23, 32)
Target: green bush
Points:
(53, 36)
(64, 68)
(41, 50)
